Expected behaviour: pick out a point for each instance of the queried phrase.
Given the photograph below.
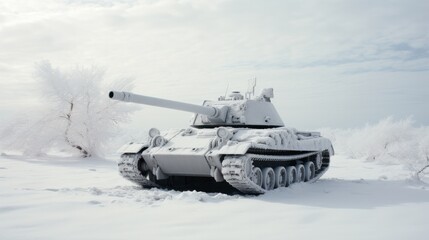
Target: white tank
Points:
(239, 141)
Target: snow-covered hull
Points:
(250, 160)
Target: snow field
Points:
(74, 199)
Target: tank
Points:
(240, 141)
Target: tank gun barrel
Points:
(210, 112)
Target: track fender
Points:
(234, 147)
(132, 147)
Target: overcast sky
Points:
(331, 63)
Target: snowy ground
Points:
(66, 198)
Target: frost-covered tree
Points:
(387, 142)
(78, 116)
(423, 169)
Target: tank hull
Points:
(232, 155)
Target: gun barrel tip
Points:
(111, 94)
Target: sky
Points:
(331, 63)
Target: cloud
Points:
(244, 33)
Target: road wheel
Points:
(310, 171)
(291, 175)
(257, 176)
(300, 169)
(269, 178)
(281, 177)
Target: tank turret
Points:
(235, 111)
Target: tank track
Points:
(237, 170)
(129, 169)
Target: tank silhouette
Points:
(240, 140)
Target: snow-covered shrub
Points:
(387, 142)
(77, 116)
